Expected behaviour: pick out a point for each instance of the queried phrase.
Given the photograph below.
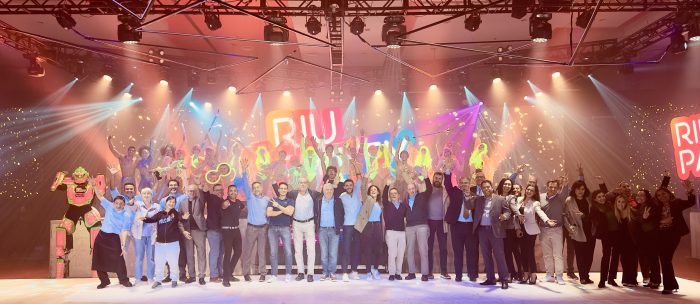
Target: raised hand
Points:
(520, 169)
(645, 215)
(580, 169)
(244, 163)
(599, 179)
(666, 173)
(113, 169)
(688, 186)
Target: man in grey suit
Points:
(194, 229)
(490, 213)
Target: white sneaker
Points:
(323, 277)
(369, 276)
(354, 275)
(560, 280)
(375, 273)
(548, 278)
(346, 278)
(272, 279)
(288, 278)
(332, 277)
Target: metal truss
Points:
(141, 8)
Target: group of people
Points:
(365, 215)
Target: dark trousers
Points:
(104, 277)
(511, 249)
(351, 249)
(492, 249)
(648, 253)
(584, 256)
(570, 252)
(232, 243)
(628, 259)
(437, 229)
(464, 239)
(373, 243)
(609, 260)
(527, 247)
(667, 247)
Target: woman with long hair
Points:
(672, 227)
(577, 209)
(510, 247)
(369, 224)
(530, 210)
(645, 232)
(628, 255)
(604, 227)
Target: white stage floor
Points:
(356, 292)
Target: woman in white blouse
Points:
(529, 210)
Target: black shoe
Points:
(398, 277)
(182, 279)
(411, 276)
(472, 279)
(215, 280)
(612, 283)
(201, 281)
(665, 291)
(127, 284)
(167, 280)
(586, 281)
(458, 279)
(190, 280)
(504, 284)
(226, 284)
(424, 278)
(601, 284)
(487, 283)
(391, 278)
(262, 278)
(156, 285)
(431, 277)
(102, 285)
(174, 284)
(247, 278)
(235, 279)
(144, 279)
(299, 277)
(310, 278)
(571, 275)
(652, 285)
(443, 276)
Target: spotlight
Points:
(107, 77)
(556, 75)
(377, 92)
(126, 32)
(472, 22)
(313, 26)
(287, 93)
(584, 18)
(272, 32)
(232, 89)
(127, 95)
(35, 69)
(212, 20)
(433, 87)
(540, 29)
(694, 30)
(211, 78)
(65, 20)
(496, 74)
(497, 80)
(193, 79)
(163, 82)
(520, 8)
(678, 43)
(392, 29)
(357, 26)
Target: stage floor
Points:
(384, 291)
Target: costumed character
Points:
(423, 161)
(79, 193)
(477, 159)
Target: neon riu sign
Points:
(685, 132)
(288, 126)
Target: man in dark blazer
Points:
(194, 230)
(490, 213)
(461, 228)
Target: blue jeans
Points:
(328, 241)
(144, 246)
(216, 255)
(274, 234)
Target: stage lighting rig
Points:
(584, 18)
(694, 28)
(313, 25)
(272, 32)
(678, 43)
(357, 26)
(392, 30)
(126, 31)
(520, 8)
(540, 29)
(65, 19)
(193, 79)
(35, 69)
(212, 20)
(472, 22)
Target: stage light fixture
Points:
(377, 92)
(694, 29)
(287, 93)
(678, 43)
(357, 26)
(232, 89)
(193, 79)
(163, 82)
(107, 77)
(540, 29)
(584, 18)
(313, 26)
(520, 8)
(497, 80)
(556, 75)
(392, 30)
(126, 32)
(35, 69)
(472, 22)
(496, 74)
(65, 19)
(272, 32)
(433, 87)
(212, 20)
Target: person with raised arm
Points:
(369, 225)
(127, 162)
(352, 204)
(168, 235)
(460, 218)
(256, 232)
(395, 222)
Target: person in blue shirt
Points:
(109, 251)
(280, 211)
(351, 237)
(256, 231)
